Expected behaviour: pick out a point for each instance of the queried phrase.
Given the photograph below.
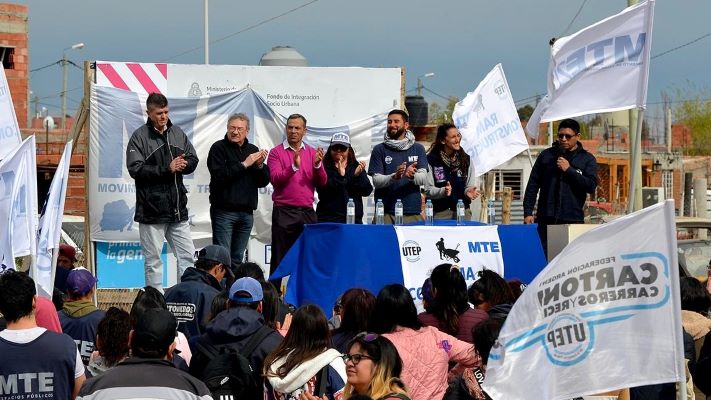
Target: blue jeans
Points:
(231, 229)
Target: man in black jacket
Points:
(237, 171)
(562, 177)
(158, 155)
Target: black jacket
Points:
(161, 196)
(333, 197)
(232, 186)
(190, 300)
(561, 195)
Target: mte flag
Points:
(51, 226)
(603, 315)
(489, 123)
(601, 68)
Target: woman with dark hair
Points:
(449, 311)
(356, 306)
(373, 367)
(451, 176)
(304, 363)
(270, 304)
(490, 290)
(347, 179)
(425, 351)
(695, 304)
(111, 341)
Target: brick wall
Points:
(13, 34)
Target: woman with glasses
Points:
(426, 352)
(451, 176)
(347, 179)
(373, 367)
(303, 364)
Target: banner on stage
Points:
(471, 248)
(587, 322)
(602, 68)
(489, 123)
(121, 265)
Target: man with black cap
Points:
(191, 299)
(241, 324)
(80, 317)
(148, 373)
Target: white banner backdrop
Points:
(603, 315)
(422, 249)
(489, 123)
(602, 68)
(9, 131)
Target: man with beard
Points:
(399, 167)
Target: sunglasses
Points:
(355, 358)
(566, 136)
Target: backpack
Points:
(228, 374)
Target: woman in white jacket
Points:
(304, 363)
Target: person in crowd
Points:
(695, 305)
(346, 180)
(561, 177)
(270, 305)
(158, 155)
(702, 370)
(399, 167)
(80, 317)
(449, 310)
(66, 257)
(149, 298)
(148, 373)
(253, 270)
(46, 315)
(296, 171)
(26, 349)
(427, 295)
(516, 287)
(335, 321)
(111, 341)
(357, 304)
(425, 351)
(489, 290)
(237, 171)
(451, 177)
(235, 327)
(219, 304)
(191, 299)
(304, 363)
(373, 367)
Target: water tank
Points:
(285, 56)
(417, 109)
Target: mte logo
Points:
(567, 340)
(412, 159)
(411, 250)
(484, 247)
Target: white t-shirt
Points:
(22, 336)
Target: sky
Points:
(459, 41)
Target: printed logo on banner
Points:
(447, 254)
(194, 90)
(117, 216)
(121, 265)
(411, 250)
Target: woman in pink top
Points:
(425, 351)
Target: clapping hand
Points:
(410, 171)
(178, 164)
(318, 157)
(360, 168)
(341, 165)
(448, 189)
(472, 193)
(400, 171)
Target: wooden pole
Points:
(83, 116)
(506, 206)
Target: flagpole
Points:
(530, 159)
(635, 167)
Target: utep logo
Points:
(411, 250)
(567, 338)
(388, 160)
(500, 89)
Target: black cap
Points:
(155, 330)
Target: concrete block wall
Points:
(13, 34)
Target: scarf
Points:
(400, 144)
(453, 162)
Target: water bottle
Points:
(492, 211)
(350, 212)
(429, 212)
(398, 212)
(460, 212)
(379, 212)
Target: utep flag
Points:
(9, 131)
(489, 124)
(603, 315)
(25, 207)
(601, 68)
(472, 248)
(51, 225)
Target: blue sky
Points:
(460, 41)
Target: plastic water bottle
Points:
(492, 212)
(398, 212)
(429, 212)
(379, 212)
(350, 212)
(460, 212)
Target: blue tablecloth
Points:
(328, 259)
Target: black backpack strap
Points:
(255, 340)
(322, 381)
(207, 349)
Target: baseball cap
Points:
(248, 285)
(219, 254)
(80, 281)
(155, 329)
(341, 139)
(68, 251)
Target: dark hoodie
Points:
(233, 328)
(191, 299)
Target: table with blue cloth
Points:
(329, 259)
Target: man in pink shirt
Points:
(295, 172)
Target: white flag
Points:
(9, 130)
(601, 68)
(24, 214)
(51, 225)
(489, 124)
(603, 315)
